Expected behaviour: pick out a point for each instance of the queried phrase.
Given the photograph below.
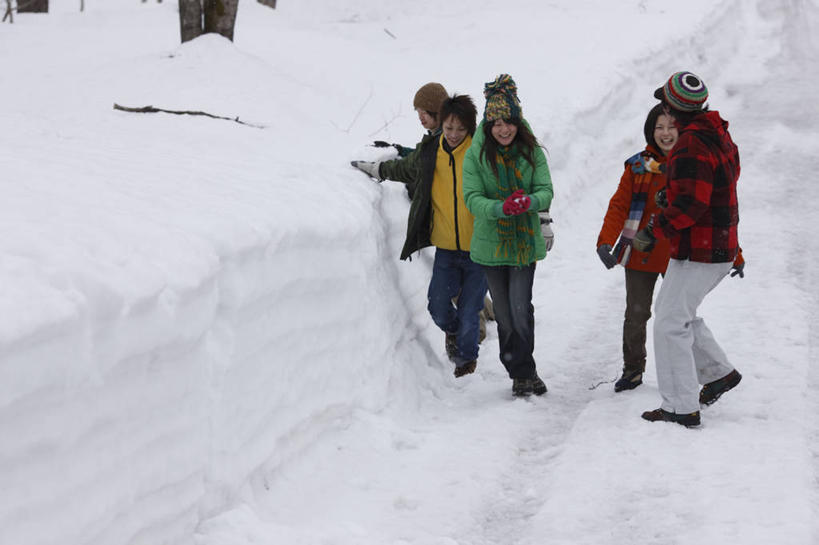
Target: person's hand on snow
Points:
(641, 163)
(608, 259)
(373, 169)
(546, 229)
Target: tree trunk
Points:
(32, 6)
(190, 19)
(269, 3)
(220, 17)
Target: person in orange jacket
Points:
(630, 209)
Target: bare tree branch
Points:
(355, 118)
(387, 123)
(152, 110)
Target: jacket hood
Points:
(710, 127)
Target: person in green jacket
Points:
(506, 182)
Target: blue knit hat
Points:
(501, 99)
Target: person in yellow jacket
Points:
(438, 217)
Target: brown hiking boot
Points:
(713, 390)
(691, 420)
(465, 369)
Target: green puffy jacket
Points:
(480, 183)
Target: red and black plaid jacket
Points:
(702, 215)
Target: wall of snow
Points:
(127, 416)
(184, 302)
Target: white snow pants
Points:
(685, 352)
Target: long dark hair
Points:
(524, 138)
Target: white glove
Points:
(369, 167)
(546, 229)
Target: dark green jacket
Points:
(417, 171)
(406, 169)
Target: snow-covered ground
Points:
(206, 336)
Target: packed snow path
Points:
(206, 335)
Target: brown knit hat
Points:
(429, 97)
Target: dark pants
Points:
(454, 275)
(511, 289)
(639, 293)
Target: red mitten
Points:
(511, 206)
(524, 203)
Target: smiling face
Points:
(454, 131)
(503, 132)
(665, 133)
(427, 121)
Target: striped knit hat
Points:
(501, 99)
(683, 91)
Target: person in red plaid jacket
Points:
(699, 216)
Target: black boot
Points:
(691, 420)
(713, 390)
(629, 381)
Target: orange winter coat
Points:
(617, 213)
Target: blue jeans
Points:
(455, 275)
(511, 289)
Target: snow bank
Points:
(205, 334)
(182, 303)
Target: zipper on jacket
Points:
(455, 199)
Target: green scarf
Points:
(515, 232)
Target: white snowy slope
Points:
(207, 338)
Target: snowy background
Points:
(206, 337)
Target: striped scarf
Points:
(638, 205)
(515, 232)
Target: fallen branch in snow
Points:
(151, 110)
(595, 386)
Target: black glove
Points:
(373, 169)
(660, 198)
(383, 144)
(738, 270)
(604, 251)
(644, 240)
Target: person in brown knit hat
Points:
(427, 103)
